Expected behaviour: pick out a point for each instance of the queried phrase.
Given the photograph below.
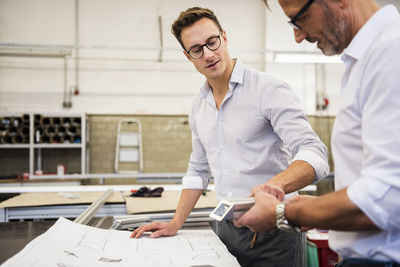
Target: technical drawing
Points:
(89, 246)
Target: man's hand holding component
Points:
(261, 217)
(269, 188)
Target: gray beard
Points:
(335, 39)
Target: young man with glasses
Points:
(250, 132)
(364, 212)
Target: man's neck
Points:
(220, 85)
(363, 10)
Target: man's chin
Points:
(329, 51)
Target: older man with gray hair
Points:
(364, 211)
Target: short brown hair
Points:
(189, 17)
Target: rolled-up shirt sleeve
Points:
(291, 125)
(316, 158)
(198, 173)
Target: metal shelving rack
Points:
(34, 147)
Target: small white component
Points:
(229, 209)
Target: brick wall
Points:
(323, 127)
(166, 143)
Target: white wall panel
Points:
(125, 77)
(119, 70)
(37, 21)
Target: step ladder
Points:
(129, 151)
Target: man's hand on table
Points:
(158, 229)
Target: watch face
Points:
(221, 209)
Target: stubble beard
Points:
(334, 35)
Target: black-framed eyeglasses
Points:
(292, 22)
(212, 43)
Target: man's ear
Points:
(187, 55)
(342, 3)
(224, 36)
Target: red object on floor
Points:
(326, 256)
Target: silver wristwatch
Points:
(281, 221)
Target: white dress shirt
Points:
(258, 131)
(366, 137)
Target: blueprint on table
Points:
(68, 244)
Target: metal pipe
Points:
(61, 131)
(87, 215)
(45, 139)
(39, 159)
(66, 121)
(161, 39)
(20, 139)
(145, 48)
(45, 121)
(8, 54)
(8, 139)
(25, 119)
(87, 188)
(56, 121)
(50, 131)
(38, 118)
(67, 95)
(77, 45)
(32, 122)
(111, 176)
(24, 131)
(25, 45)
(264, 64)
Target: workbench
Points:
(53, 202)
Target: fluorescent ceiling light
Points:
(305, 58)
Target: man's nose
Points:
(299, 35)
(207, 52)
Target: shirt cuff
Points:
(194, 182)
(365, 194)
(316, 160)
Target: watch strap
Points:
(281, 221)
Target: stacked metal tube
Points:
(57, 130)
(47, 130)
(14, 129)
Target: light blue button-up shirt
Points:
(258, 131)
(366, 137)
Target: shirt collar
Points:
(370, 31)
(237, 74)
(237, 77)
